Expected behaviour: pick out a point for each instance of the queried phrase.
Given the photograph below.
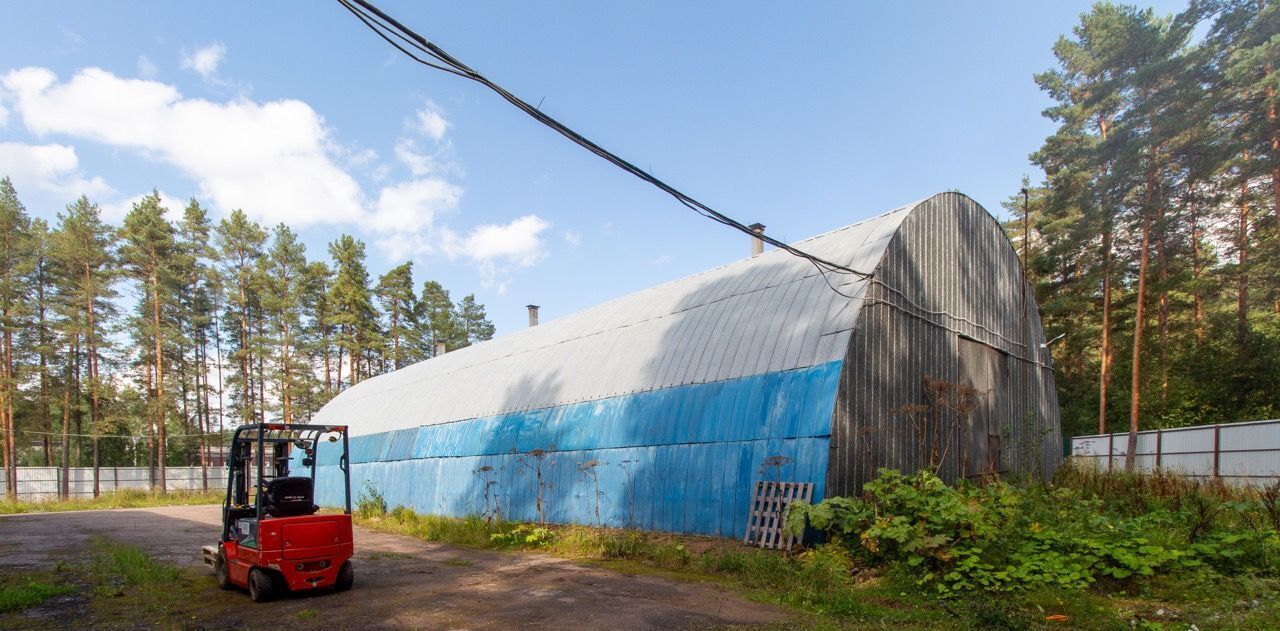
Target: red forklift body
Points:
(272, 537)
(306, 551)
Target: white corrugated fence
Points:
(1239, 453)
(42, 483)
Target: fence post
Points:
(1217, 431)
(1111, 451)
(1159, 448)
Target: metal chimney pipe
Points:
(757, 244)
(533, 315)
(440, 348)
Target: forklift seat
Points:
(289, 497)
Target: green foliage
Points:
(114, 566)
(1000, 538)
(29, 593)
(524, 536)
(370, 503)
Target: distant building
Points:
(674, 400)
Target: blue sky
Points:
(804, 118)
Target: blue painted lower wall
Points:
(681, 459)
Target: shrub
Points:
(370, 503)
(1001, 537)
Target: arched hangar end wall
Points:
(950, 305)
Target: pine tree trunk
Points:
(1162, 314)
(1242, 260)
(151, 423)
(46, 421)
(1196, 269)
(262, 374)
(161, 429)
(202, 405)
(217, 348)
(6, 410)
(1135, 393)
(64, 488)
(95, 404)
(246, 414)
(1104, 379)
(286, 391)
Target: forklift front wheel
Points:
(262, 586)
(220, 571)
(346, 577)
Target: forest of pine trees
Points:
(231, 324)
(1153, 239)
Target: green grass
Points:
(125, 498)
(115, 567)
(29, 593)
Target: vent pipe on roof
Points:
(440, 348)
(757, 244)
(533, 315)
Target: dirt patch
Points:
(401, 583)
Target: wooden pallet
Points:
(767, 515)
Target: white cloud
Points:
(114, 212)
(498, 249)
(273, 159)
(665, 259)
(413, 205)
(419, 163)
(573, 238)
(430, 121)
(205, 60)
(4, 116)
(53, 168)
(146, 68)
(276, 160)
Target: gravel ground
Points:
(401, 583)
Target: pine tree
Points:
(395, 293)
(475, 326)
(82, 250)
(436, 319)
(285, 282)
(15, 269)
(240, 244)
(350, 304)
(148, 251)
(199, 306)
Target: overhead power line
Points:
(428, 54)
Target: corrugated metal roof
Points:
(767, 313)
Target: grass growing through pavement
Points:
(124, 498)
(28, 593)
(115, 566)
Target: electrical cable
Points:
(387, 27)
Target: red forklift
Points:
(273, 540)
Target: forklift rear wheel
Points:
(262, 586)
(346, 577)
(220, 571)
